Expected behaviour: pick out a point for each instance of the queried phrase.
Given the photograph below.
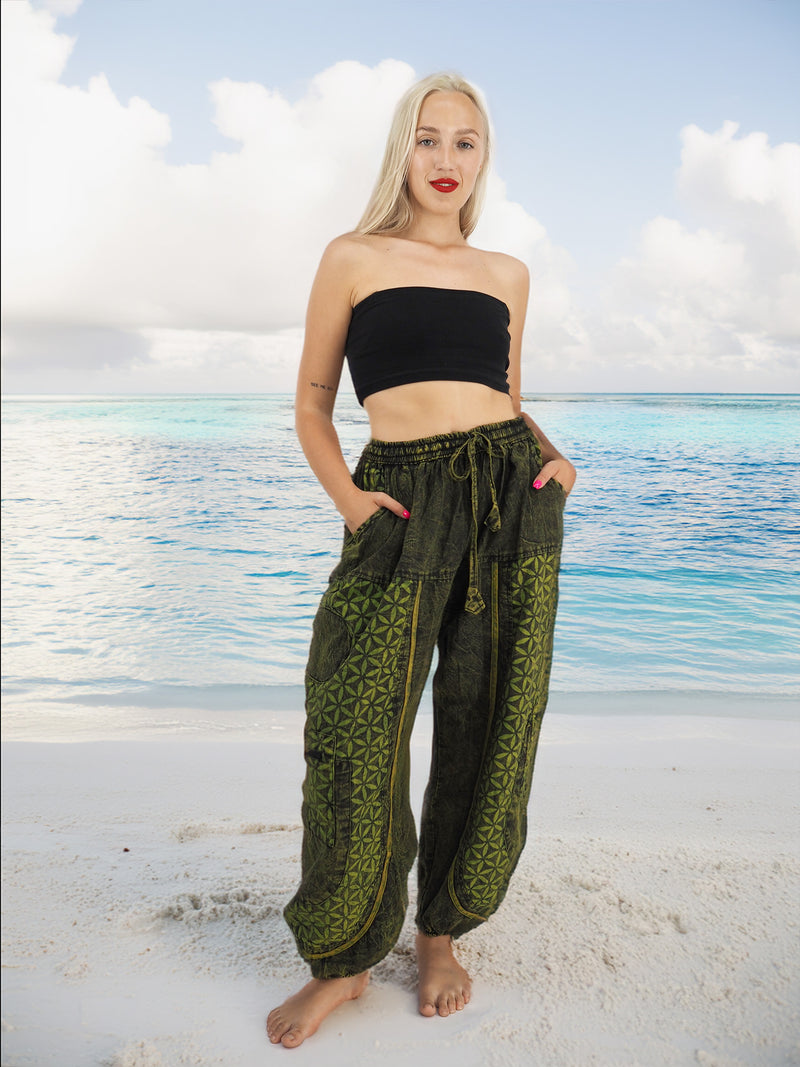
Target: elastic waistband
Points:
(444, 445)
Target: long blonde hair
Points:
(389, 209)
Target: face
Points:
(448, 153)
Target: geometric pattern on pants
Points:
(361, 751)
(400, 588)
(485, 861)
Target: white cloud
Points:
(101, 230)
(62, 7)
(31, 49)
(236, 361)
(725, 174)
(103, 233)
(716, 306)
(507, 226)
(207, 266)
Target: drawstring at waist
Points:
(475, 603)
(492, 438)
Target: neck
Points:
(443, 231)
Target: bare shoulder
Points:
(358, 248)
(343, 252)
(510, 280)
(508, 270)
(345, 261)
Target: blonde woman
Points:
(453, 523)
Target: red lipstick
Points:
(445, 185)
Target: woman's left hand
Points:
(562, 470)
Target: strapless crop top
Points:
(418, 333)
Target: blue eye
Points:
(465, 144)
(425, 141)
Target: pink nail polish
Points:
(406, 514)
(537, 484)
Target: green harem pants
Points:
(475, 571)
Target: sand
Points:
(653, 919)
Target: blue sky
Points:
(587, 96)
(589, 99)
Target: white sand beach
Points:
(653, 919)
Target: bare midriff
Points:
(423, 409)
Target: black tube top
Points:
(418, 333)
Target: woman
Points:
(453, 524)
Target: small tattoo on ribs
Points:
(319, 385)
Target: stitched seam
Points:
(495, 635)
(495, 608)
(452, 891)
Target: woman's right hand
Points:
(362, 505)
(562, 470)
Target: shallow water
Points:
(160, 542)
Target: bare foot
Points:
(299, 1016)
(444, 985)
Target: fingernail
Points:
(406, 514)
(537, 484)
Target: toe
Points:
(428, 1008)
(292, 1038)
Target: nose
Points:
(444, 157)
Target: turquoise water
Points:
(156, 545)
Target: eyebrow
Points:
(434, 129)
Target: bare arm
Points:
(327, 321)
(555, 464)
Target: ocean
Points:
(168, 552)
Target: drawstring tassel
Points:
(492, 520)
(474, 603)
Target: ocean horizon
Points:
(166, 552)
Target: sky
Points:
(173, 169)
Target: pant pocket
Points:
(543, 516)
(330, 644)
(326, 820)
(365, 549)
(359, 532)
